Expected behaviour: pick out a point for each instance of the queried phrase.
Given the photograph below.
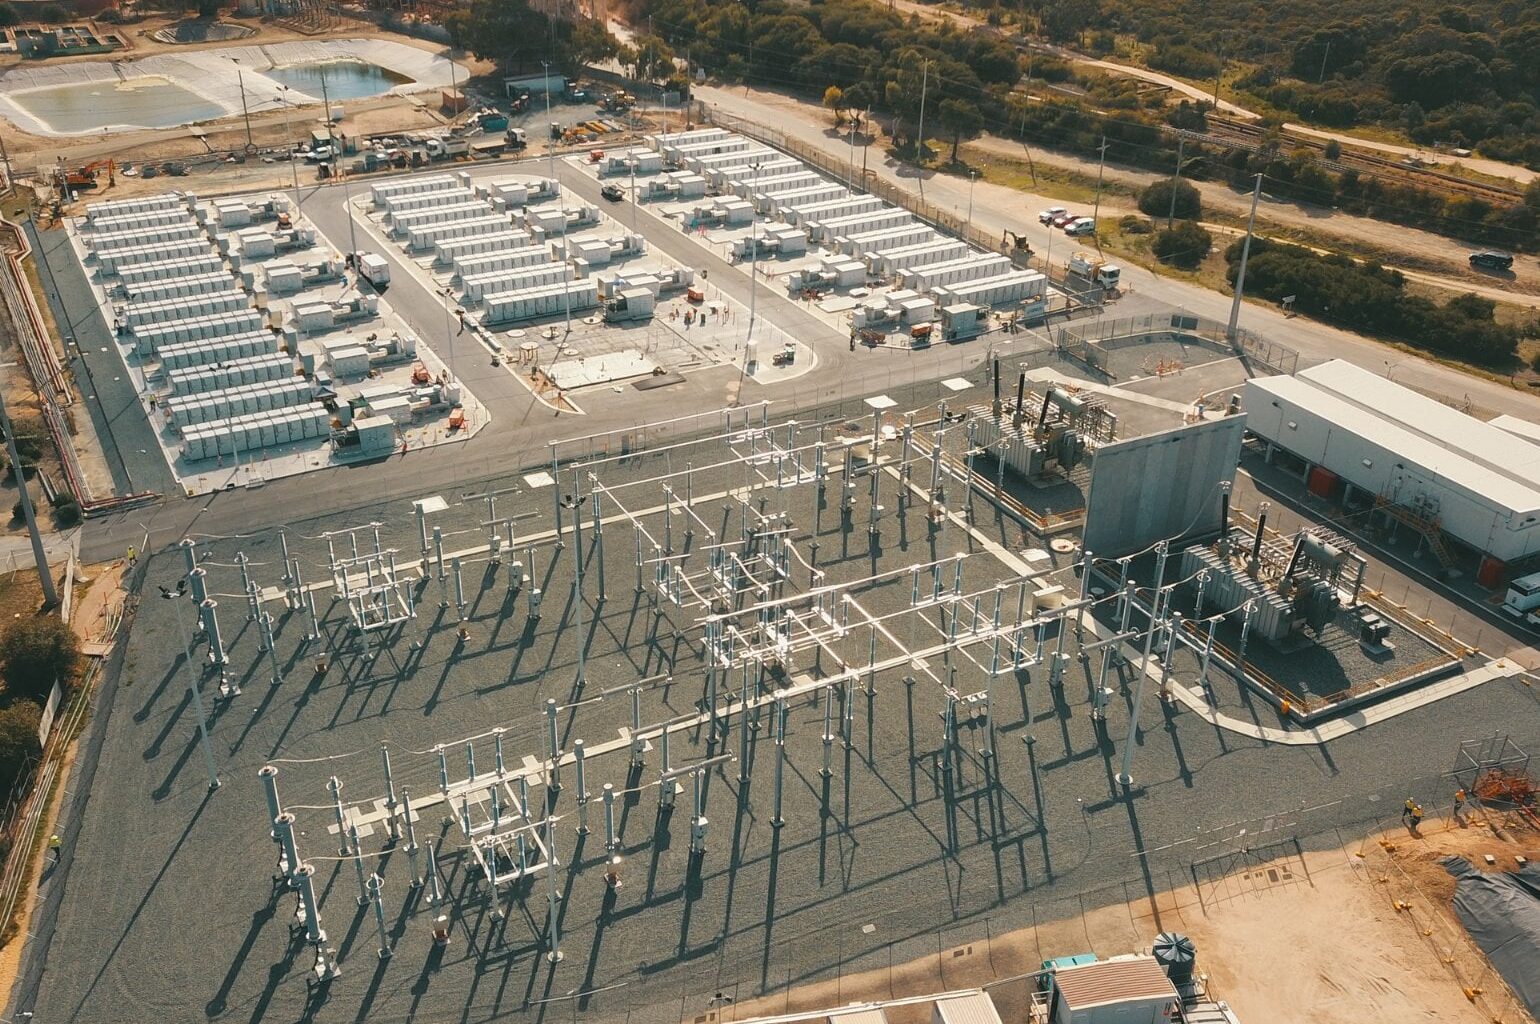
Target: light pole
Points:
(748, 339)
(288, 138)
(449, 337)
(973, 176)
(1240, 275)
(176, 597)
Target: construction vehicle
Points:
(1092, 269)
(86, 176)
(1017, 242)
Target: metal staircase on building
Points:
(1426, 523)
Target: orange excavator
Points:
(87, 176)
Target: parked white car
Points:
(1047, 216)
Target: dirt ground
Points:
(1284, 938)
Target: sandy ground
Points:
(1283, 937)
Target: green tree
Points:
(1065, 20)
(654, 59)
(834, 99)
(960, 120)
(1155, 200)
(1183, 246)
(592, 43)
(35, 652)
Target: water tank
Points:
(1176, 955)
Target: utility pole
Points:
(288, 139)
(919, 145)
(1220, 76)
(1100, 166)
(240, 80)
(1240, 275)
(45, 577)
(1176, 180)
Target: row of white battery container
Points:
(206, 262)
(555, 218)
(505, 259)
(266, 396)
(118, 207)
(384, 190)
(194, 380)
(885, 239)
(705, 166)
(480, 285)
(507, 307)
(156, 252)
(468, 208)
(213, 350)
(769, 180)
(829, 230)
(783, 203)
(662, 139)
(830, 209)
(146, 220)
(186, 307)
(675, 185)
(448, 251)
(973, 267)
(914, 257)
(151, 339)
(180, 287)
(135, 238)
(255, 431)
(426, 236)
(1017, 286)
(400, 206)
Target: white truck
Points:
(1523, 598)
(373, 268)
(1094, 270)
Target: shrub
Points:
(1131, 225)
(35, 652)
(31, 435)
(67, 511)
(1183, 246)
(18, 739)
(1155, 200)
